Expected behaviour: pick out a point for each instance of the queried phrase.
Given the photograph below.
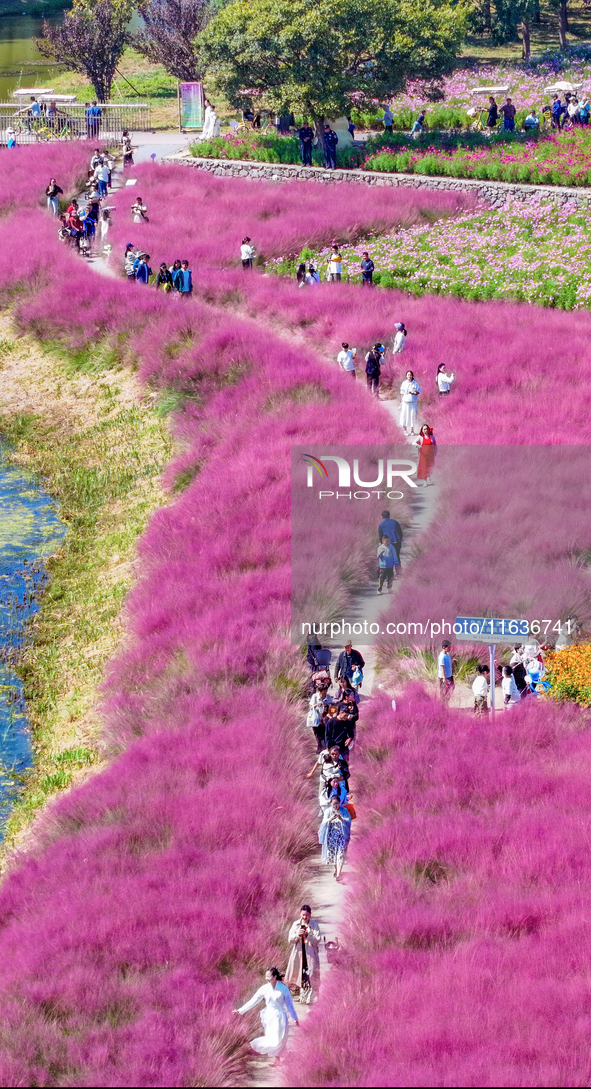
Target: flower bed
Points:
(26, 172)
(569, 674)
(556, 159)
(466, 960)
(532, 251)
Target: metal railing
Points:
(71, 123)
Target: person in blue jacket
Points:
(143, 270)
(183, 280)
(391, 528)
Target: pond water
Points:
(20, 63)
(30, 531)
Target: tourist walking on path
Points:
(480, 690)
(387, 560)
(388, 119)
(373, 370)
(127, 149)
(409, 394)
(303, 968)
(101, 177)
(346, 662)
(139, 211)
(391, 528)
(418, 125)
(330, 147)
(306, 135)
(445, 671)
(247, 252)
(52, 193)
(367, 270)
(508, 112)
(443, 379)
(334, 265)
(334, 835)
(427, 450)
(278, 1009)
(129, 261)
(346, 359)
(183, 280)
(399, 338)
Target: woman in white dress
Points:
(275, 1016)
(409, 392)
(400, 338)
(334, 835)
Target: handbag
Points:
(352, 810)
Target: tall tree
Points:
(170, 30)
(91, 39)
(317, 58)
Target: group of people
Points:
(520, 678)
(572, 109)
(175, 279)
(330, 140)
(81, 219)
(374, 358)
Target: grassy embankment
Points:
(81, 425)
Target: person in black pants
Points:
(330, 147)
(306, 135)
(347, 660)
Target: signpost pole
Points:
(491, 650)
(178, 98)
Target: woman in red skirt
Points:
(427, 450)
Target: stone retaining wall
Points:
(495, 193)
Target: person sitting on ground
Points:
(164, 278)
(418, 126)
(480, 690)
(511, 693)
(303, 968)
(532, 121)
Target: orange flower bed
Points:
(569, 674)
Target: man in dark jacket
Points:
(306, 135)
(373, 369)
(389, 527)
(347, 660)
(330, 147)
(367, 269)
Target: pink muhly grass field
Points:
(158, 892)
(26, 171)
(466, 953)
(202, 218)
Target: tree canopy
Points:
(320, 57)
(169, 33)
(91, 39)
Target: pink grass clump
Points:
(26, 171)
(466, 953)
(202, 218)
(158, 891)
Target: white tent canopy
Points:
(489, 90)
(563, 85)
(42, 94)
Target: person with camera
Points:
(303, 968)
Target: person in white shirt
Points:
(400, 338)
(480, 690)
(247, 252)
(511, 693)
(334, 265)
(443, 379)
(409, 392)
(346, 359)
